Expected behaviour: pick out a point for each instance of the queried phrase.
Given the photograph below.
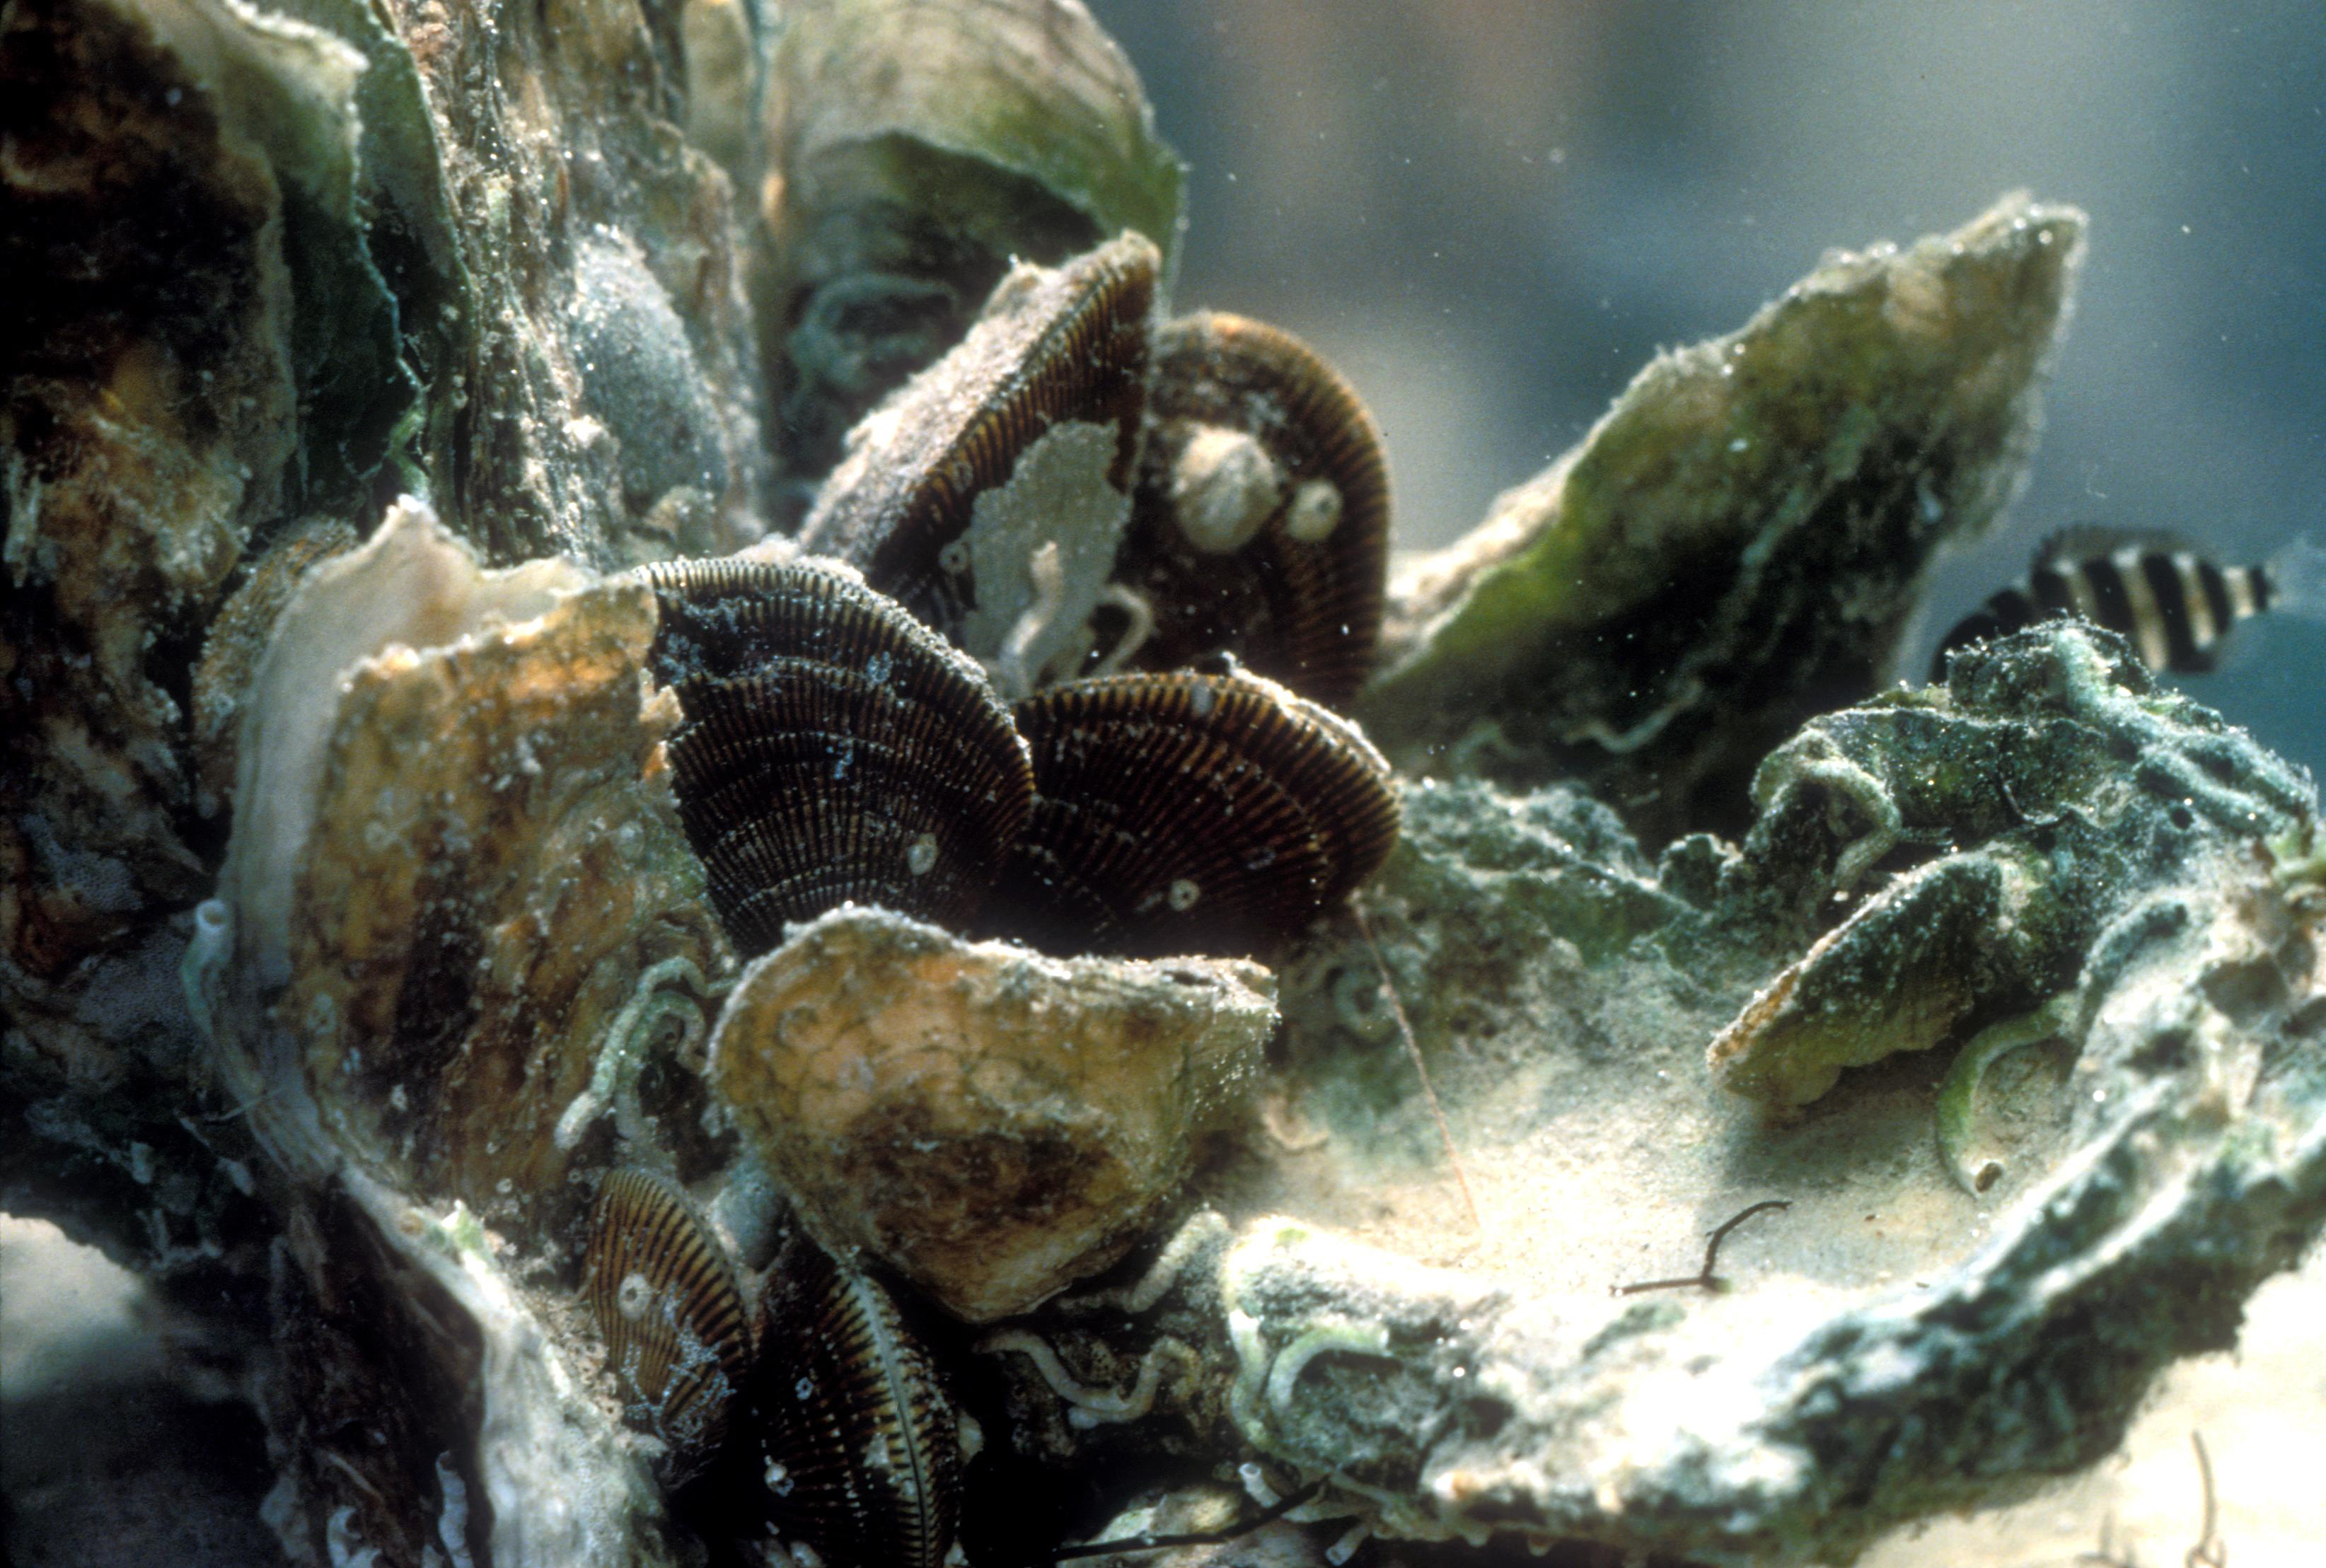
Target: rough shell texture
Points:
(677, 1333)
(920, 151)
(834, 749)
(452, 761)
(1190, 813)
(1889, 1347)
(1022, 438)
(1738, 544)
(992, 1124)
(376, 270)
(1300, 601)
(862, 1459)
(467, 798)
(235, 642)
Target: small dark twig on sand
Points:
(1707, 1279)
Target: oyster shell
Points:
(1888, 1347)
(992, 1124)
(1738, 544)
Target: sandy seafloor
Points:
(121, 1444)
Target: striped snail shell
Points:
(1261, 521)
(1022, 440)
(1190, 812)
(918, 151)
(677, 1336)
(861, 1447)
(832, 749)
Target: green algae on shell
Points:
(1739, 542)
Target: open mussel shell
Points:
(832, 750)
(1260, 523)
(677, 1333)
(1189, 812)
(1060, 356)
(862, 1449)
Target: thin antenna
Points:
(1413, 1053)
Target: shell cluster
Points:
(854, 1443)
(1070, 491)
(1001, 687)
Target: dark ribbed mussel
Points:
(833, 749)
(990, 495)
(861, 1449)
(676, 1334)
(1260, 525)
(1189, 812)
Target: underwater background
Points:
(1489, 216)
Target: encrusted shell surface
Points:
(834, 749)
(1260, 525)
(1022, 440)
(1190, 812)
(1740, 542)
(993, 1124)
(678, 1338)
(861, 1447)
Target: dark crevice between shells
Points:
(1301, 601)
(1189, 813)
(833, 749)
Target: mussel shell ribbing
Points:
(1053, 346)
(861, 1448)
(1297, 608)
(1187, 812)
(833, 749)
(665, 1298)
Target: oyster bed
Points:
(355, 928)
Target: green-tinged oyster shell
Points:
(1737, 544)
(462, 961)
